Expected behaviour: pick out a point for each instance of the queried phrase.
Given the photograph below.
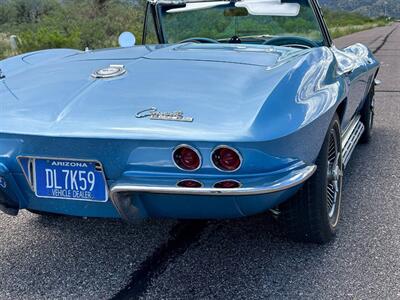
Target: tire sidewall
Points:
(319, 182)
(305, 216)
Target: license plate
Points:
(70, 179)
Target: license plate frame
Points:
(94, 166)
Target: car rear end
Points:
(135, 179)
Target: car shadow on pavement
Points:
(251, 256)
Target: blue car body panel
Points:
(272, 104)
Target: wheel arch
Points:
(341, 109)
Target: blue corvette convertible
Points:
(228, 109)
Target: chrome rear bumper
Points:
(120, 193)
(293, 179)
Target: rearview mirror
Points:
(235, 12)
(270, 8)
(127, 39)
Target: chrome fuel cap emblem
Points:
(110, 72)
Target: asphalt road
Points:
(69, 258)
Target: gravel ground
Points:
(69, 258)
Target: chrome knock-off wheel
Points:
(313, 215)
(334, 179)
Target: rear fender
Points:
(296, 116)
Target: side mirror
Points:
(127, 39)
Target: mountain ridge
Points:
(372, 8)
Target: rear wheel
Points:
(313, 214)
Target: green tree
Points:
(32, 10)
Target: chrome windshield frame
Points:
(152, 7)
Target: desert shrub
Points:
(8, 13)
(100, 26)
(31, 11)
(343, 18)
(41, 24)
(343, 23)
(44, 38)
(5, 49)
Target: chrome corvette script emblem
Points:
(154, 114)
(110, 72)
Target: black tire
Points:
(367, 117)
(313, 214)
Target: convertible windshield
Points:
(274, 22)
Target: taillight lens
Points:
(227, 184)
(187, 158)
(189, 183)
(226, 159)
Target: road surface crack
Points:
(385, 40)
(387, 91)
(182, 236)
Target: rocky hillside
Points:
(373, 8)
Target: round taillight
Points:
(227, 184)
(187, 158)
(189, 183)
(226, 159)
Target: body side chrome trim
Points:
(349, 130)
(351, 139)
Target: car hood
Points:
(222, 87)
